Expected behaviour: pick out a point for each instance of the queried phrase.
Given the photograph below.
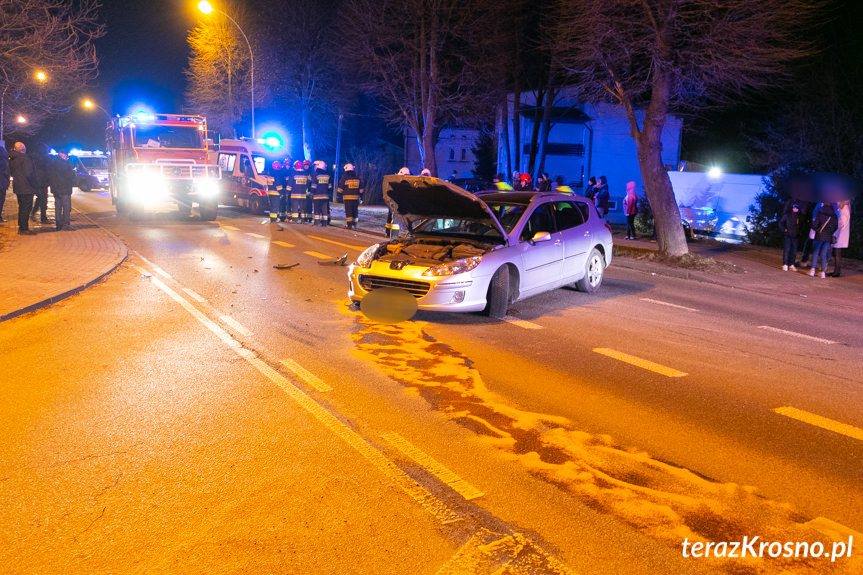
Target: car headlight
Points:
(365, 259)
(454, 267)
(148, 188)
(207, 188)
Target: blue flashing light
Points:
(272, 141)
(143, 116)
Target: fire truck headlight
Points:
(207, 188)
(148, 189)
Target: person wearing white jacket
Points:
(842, 235)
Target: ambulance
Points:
(246, 173)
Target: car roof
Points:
(509, 197)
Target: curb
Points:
(59, 297)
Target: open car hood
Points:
(417, 198)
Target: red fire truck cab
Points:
(161, 157)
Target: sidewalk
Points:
(36, 271)
(39, 270)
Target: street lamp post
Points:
(206, 8)
(89, 104)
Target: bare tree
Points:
(418, 58)
(54, 37)
(655, 57)
(219, 75)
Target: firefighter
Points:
(392, 227)
(307, 211)
(350, 190)
(299, 184)
(284, 193)
(321, 195)
(275, 194)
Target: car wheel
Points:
(593, 271)
(497, 300)
(208, 211)
(84, 187)
(256, 205)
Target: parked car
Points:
(91, 169)
(482, 252)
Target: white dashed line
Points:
(640, 362)
(521, 322)
(232, 228)
(194, 295)
(236, 325)
(820, 421)
(306, 375)
(160, 271)
(431, 465)
(795, 334)
(665, 303)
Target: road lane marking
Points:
(431, 465)
(820, 421)
(413, 489)
(229, 228)
(358, 248)
(236, 325)
(674, 305)
(306, 375)
(160, 271)
(319, 255)
(195, 296)
(254, 235)
(521, 322)
(795, 334)
(284, 244)
(639, 362)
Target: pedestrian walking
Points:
(842, 235)
(602, 196)
(349, 189)
(630, 206)
(790, 225)
(4, 177)
(321, 194)
(823, 228)
(24, 185)
(61, 180)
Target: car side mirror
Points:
(540, 237)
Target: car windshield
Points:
(459, 227)
(93, 162)
(147, 136)
(508, 214)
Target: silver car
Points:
(483, 251)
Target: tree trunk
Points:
(551, 96)
(505, 124)
(516, 130)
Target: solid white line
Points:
(822, 422)
(160, 271)
(795, 334)
(194, 295)
(431, 465)
(521, 322)
(236, 325)
(413, 489)
(656, 301)
(255, 235)
(306, 375)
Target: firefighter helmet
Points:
(277, 165)
(320, 165)
(298, 165)
(525, 178)
(426, 172)
(404, 171)
(349, 167)
(306, 164)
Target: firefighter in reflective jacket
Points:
(277, 191)
(284, 195)
(392, 227)
(321, 194)
(307, 208)
(350, 190)
(299, 184)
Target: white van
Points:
(246, 165)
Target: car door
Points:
(230, 182)
(577, 239)
(543, 260)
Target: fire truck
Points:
(158, 158)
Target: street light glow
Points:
(21, 120)
(205, 7)
(40, 75)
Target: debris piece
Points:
(146, 276)
(256, 271)
(286, 266)
(342, 261)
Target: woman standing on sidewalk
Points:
(790, 224)
(824, 227)
(843, 234)
(630, 206)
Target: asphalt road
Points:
(202, 411)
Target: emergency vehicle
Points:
(156, 158)
(91, 168)
(246, 167)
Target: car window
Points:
(507, 215)
(567, 215)
(226, 162)
(541, 220)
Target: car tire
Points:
(256, 205)
(84, 187)
(209, 212)
(497, 299)
(594, 270)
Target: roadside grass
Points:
(688, 261)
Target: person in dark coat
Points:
(824, 225)
(24, 185)
(790, 225)
(40, 203)
(61, 180)
(602, 196)
(4, 177)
